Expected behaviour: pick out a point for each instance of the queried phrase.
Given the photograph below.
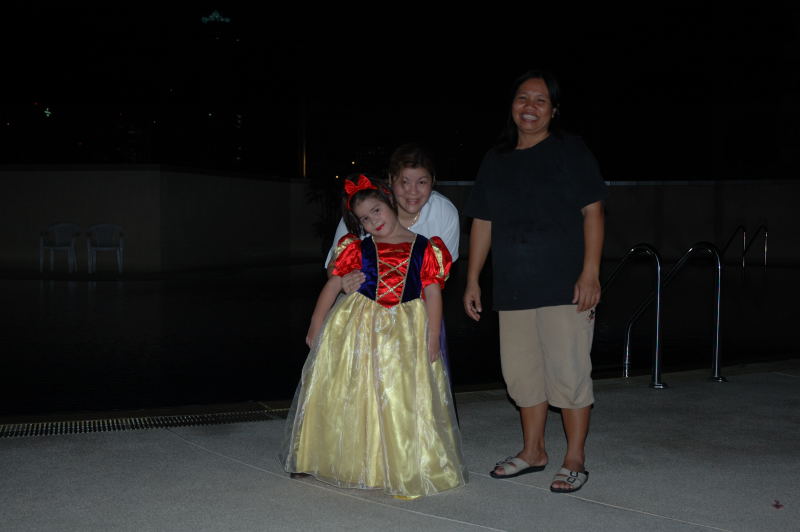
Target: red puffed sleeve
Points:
(435, 263)
(348, 255)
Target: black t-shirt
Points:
(534, 197)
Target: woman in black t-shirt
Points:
(537, 202)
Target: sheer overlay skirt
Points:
(371, 411)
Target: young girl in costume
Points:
(373, 409)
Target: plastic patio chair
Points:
(59, 237)
(105, 237)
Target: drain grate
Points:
(51, 428)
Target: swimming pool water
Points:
(232, 336)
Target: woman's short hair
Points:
(410, 156)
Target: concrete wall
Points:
(178, 220)
(213, 220)
(173, 220)
(32, 199)
(674, 215)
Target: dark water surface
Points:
(232, 336)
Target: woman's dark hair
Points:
(382, 193)
(410, 156)
(509, 137)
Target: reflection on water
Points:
(223, 337)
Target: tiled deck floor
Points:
(696, 456)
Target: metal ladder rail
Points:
(716, 361)
(745, 246)
(655, 381)
(724, 249)
(753, 241)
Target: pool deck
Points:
(698, 455)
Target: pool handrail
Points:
(745, 246)
(753, 241)
(647, 249)
(716, 374)
(724, 249)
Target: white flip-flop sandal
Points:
(514, 467)
(576, 478)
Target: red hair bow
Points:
(351, 188)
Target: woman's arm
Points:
(450, 229)
(351, 281)
(480, 240)
(587, 288)
(341, 230)
(324, 303)
(433, 304)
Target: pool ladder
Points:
(655, 295)
(745, 246)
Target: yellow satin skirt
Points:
(371, 410)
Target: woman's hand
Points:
(587, 292)
(480, 240)
(472, 301)
(352, 281)
(587, 288)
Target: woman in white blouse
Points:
(420, 208)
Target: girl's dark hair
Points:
(509, 137)
(383, 193)
(410, 156)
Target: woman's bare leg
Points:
(533, 420)
(576, 427)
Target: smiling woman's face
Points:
(532, 110)
(412, 189)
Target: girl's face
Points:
(376, 217)
(532, 109)
(412, 189)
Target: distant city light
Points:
(352, 162)
(215, 17)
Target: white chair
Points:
(105, 237)
(59, 237)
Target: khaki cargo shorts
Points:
(545, 355)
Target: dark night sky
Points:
(658, 93)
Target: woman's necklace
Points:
(416, 217)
